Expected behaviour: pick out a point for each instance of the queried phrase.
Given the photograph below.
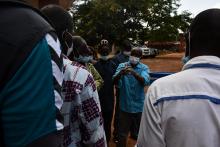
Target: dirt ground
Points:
(163, 63)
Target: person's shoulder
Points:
(167, 79)
(167, 86)
(143, 65)
(173, 82)
(89, 64)
(72, 66)
(124, 64)
(117, 58)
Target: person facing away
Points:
(131, 78)
(30, 78)
(124, 54)
(106, 67)
(183, 109)
(86, 122)
(83, 122)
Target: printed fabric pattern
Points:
(83, 122)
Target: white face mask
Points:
(134, 60)
(83, 59)
(105, 58)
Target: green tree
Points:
(163, 22)
(137, 20)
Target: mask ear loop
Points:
(70, 49)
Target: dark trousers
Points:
(116, 116)
(107, 116)
(116, 120)
(51, 140)
(126, 120)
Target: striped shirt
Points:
(57, 68)
(183, 109)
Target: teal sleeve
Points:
(146, 76)
(27, 101)
(119, 68)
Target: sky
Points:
(196, 6)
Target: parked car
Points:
(149, 52)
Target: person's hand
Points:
(123, 71)
(130, 71)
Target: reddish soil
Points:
(163, 63)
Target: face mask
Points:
(134, 60)
(83, 59)
(185, 59)
(90, 58)
(105, 58)
(127, 53)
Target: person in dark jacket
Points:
(106, 68)
(30, 84)
(124, 54)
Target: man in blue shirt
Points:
(131, 77)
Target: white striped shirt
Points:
(183, 109)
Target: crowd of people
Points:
(53, 93)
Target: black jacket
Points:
(21, 27)
(106, 94)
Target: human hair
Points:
(126, 45)
(104, 50)
(80, 47)
(137, 52)
(204, 34)
(60, 19)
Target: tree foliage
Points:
(137, 20)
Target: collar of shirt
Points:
(203, 62)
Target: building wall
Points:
(40, 3)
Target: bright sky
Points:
(196, 6)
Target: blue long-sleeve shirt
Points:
(131, 90)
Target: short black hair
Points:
(204, 33)
(126, 45)
(104, 50)
(59, 17)
(137, 52)
(80, 47)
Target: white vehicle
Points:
(149, 52)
